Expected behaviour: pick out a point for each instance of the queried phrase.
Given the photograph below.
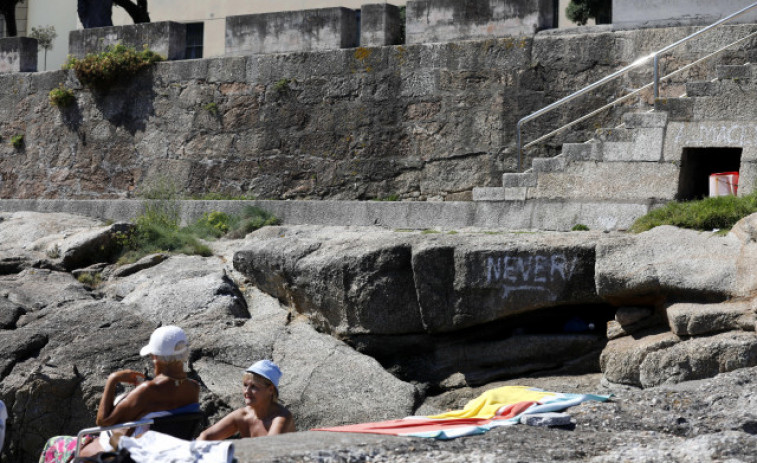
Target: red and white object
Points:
(724, 184)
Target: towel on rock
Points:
(156, 447)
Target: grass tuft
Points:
(721, 212)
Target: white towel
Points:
(156, 447)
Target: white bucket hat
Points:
(165, 341)
(268, 370)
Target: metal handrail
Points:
(653, 56)
(633, 93)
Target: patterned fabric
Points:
(61, 449)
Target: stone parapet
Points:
(290, 31)
(380, 25)
(167, 38)
(18, 54)
(450, 20)
(678, 12)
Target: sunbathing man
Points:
(262, 414)
(169, 390)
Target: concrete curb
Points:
(558, 215)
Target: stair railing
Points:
(644, 59)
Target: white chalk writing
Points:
(537, 272)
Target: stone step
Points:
(500, 194)
(582, 151)
(734, 72)
(555, 164)
(678, 109)
(518, 180)
(645, 120)
(618, 134)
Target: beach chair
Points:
(181, 425)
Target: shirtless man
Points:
(170, 389)
(262, 415)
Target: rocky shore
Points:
(371, 324)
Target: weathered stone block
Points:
(622, 358)
(652, 263)
(288, 31)
(677, 12)
(448, 20)
(518, 180)
(166, 38)
(18, 54)
(379, 25)
(697, 319)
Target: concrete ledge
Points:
(503, 215)
(291, 31)
(18, 54)
(166, 38)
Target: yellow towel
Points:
(487, 404)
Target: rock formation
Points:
(440, 317)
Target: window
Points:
(195, 33)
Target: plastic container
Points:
(724, 184)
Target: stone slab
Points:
(18, 54)
(646, 13)
(166, 38)
(291, 31)
(379, 25)
(449, 20)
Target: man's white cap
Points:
(166, 340)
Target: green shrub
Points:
(251, 219)
(720, 212)
(101, 71)
(17, 140)
(62, 96)
(149, 237)
(579, 227)
(91, 280)
(211, 225)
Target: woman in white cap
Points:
(262, 414)
(170, 389)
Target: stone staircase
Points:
(640, 160)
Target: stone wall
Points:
(166, 38)
(18, 54)
(428, 121)
(302, 30)
(449, 20)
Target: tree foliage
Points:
(8, 10)
(580, 11)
